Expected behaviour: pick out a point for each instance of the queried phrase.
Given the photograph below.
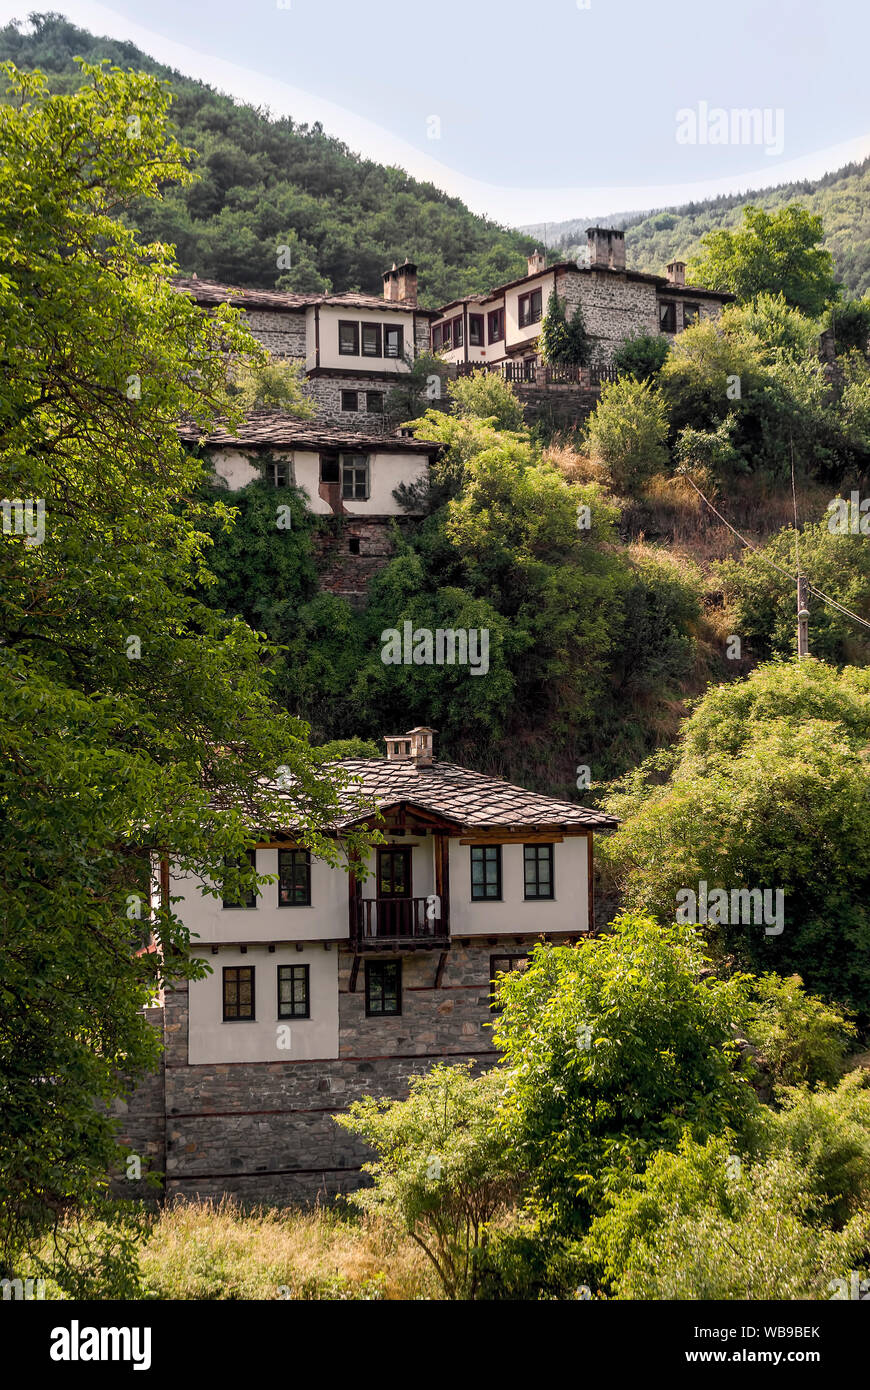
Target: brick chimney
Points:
(537, 262)
(391, 283)
(408, 282)
(606, 247)
(677, 273)
(400, 283)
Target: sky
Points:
(535, 111)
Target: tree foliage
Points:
(770, 253)
(443, 1169)
(133, 715)
(767, 788)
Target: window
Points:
(383, 988)
(458, 339)
(475, 330)
(281, 473)
(294, 998)
(668, 316)
(446, 340)
(502, 965)
(394, 345)
(436, 338)
(531, 306)
(691, 314)
(371, 340)
(496, 325)
(348, 338)
(238, 993)
(485, 872)
(538, 871)
(353, 545)
(249, 899)
(375, 402)
(349, 400)
(329, 467)
(355, 476)
(294, 878)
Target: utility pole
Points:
(803, 643)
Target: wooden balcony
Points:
(390, 924)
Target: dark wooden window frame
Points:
(446, 339)
(436, 338)
(496, 332)
(538, 897)
(281, 473)
(457, 334)
(529, 311)
(374, 969)
(694, 314)
(330, 463)
(252, 896)
(296, 972)
(344, 398)
(476, 324)
(354, 327)
(307, 876)
(481, 850)
(371, 329)
(399, 330)
(230, 971)
(667, 316)
(378, 407)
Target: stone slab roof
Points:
(470, 799)
(208, 293)
(271, 429)
(661, 283)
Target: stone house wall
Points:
(265, 1131)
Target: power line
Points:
(826, 598)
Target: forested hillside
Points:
(841, 198)
(268, 183)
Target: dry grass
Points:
(220, 1250)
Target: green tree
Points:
(443, 1169)
(612, 1049)
(564, 341)
(770, 252)
(486, 396)
(766, 788)
(627, 431)
(132, 716)
(642, 356)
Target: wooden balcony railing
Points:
(388, 922)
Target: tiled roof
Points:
(660, 281)
(470, 799)
(270, 428)
(209, 293)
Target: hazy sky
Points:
(539, 109)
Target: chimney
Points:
(416, 746)
(391, 283)
(408, 282)
(537, 262)
(422, 746)
(677, 273)
(606, 247)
